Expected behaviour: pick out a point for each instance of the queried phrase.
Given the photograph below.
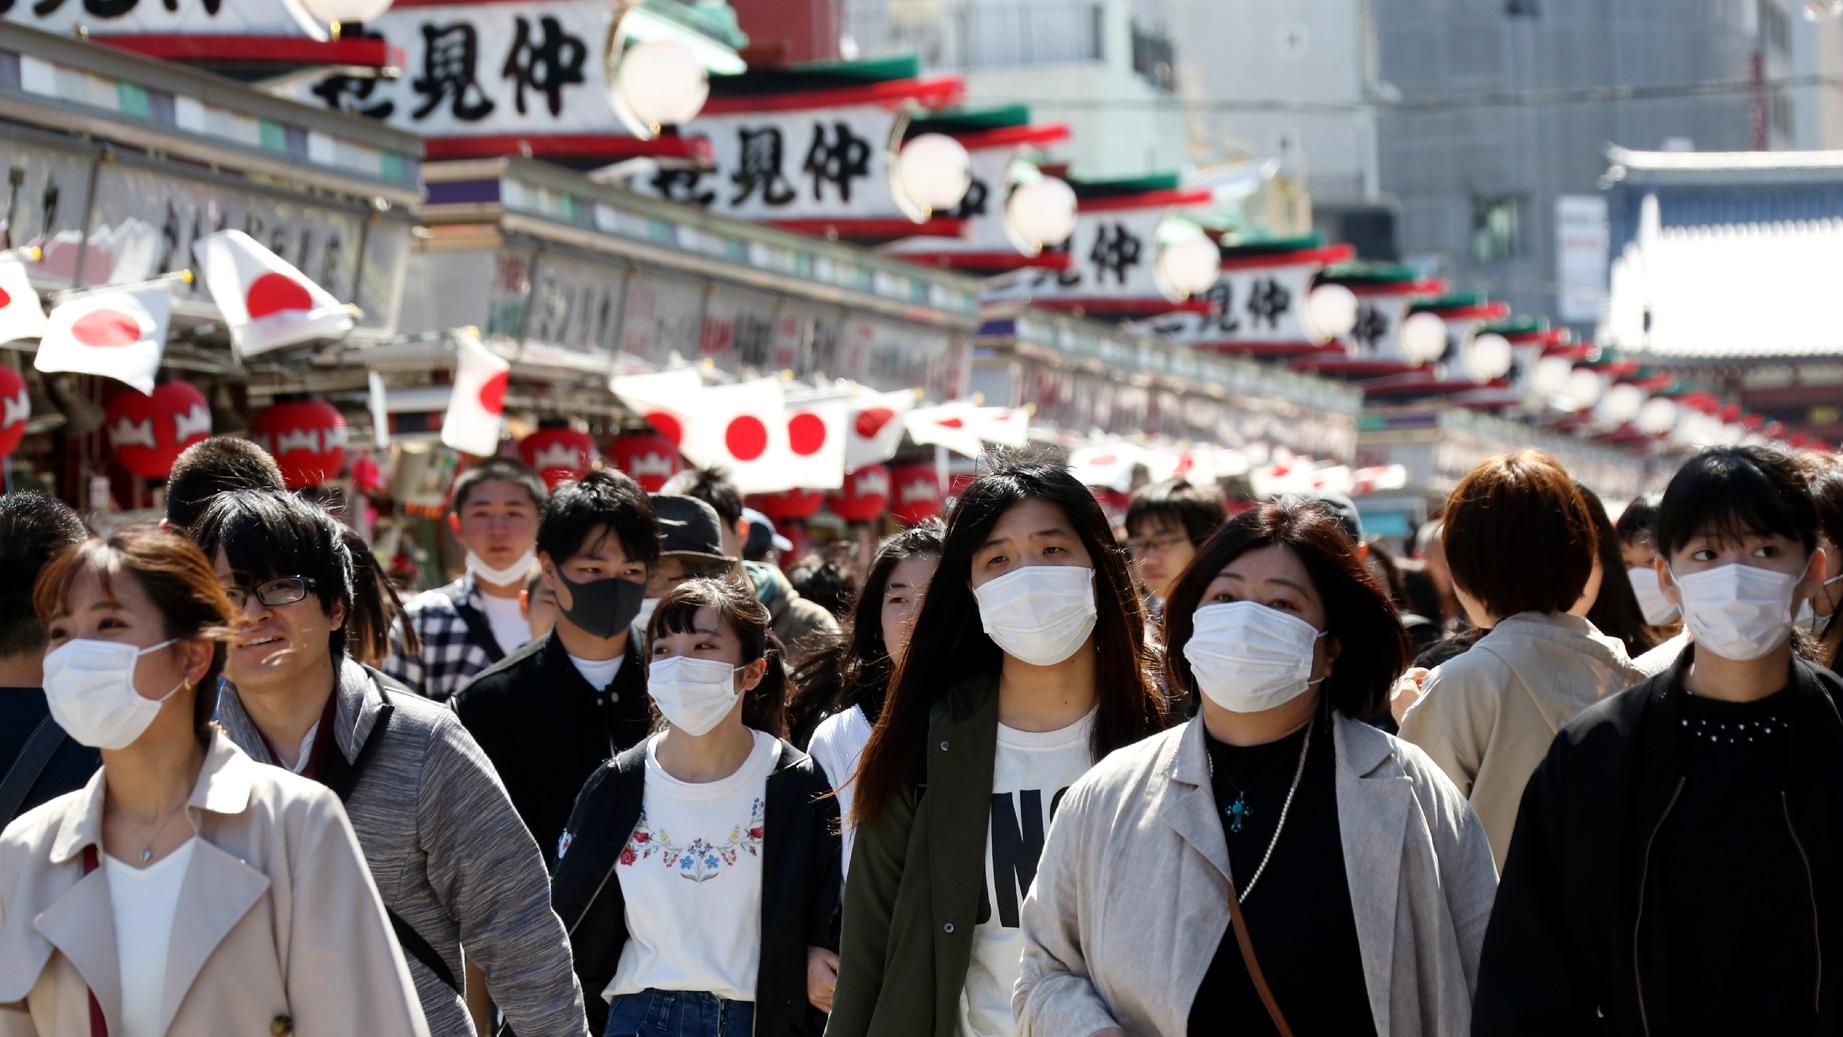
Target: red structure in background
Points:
(797, 30)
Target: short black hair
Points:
(503, 469)
(34, 529)
(1732, 491)
(213, 466)
(1638, 522)
(713, 487)
(1519, 537)
(824, 584)
(267, 535)
(604, 500)
(1197, 510)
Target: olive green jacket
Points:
(912, 898)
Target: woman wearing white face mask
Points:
(698, 874)
(1617, 913)
(1026, 666)
(185, 890)
(1358, 879)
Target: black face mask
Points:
(602, 608)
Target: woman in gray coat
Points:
(1358, 879)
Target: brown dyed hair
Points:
(1519, 537)
(765, 708)
(176, 578)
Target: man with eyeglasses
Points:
(1165, 524)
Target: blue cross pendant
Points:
(1238, 811)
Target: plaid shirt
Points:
(450, 656)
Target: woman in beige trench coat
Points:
(186, 889)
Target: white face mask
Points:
(89, 686)
(1247, 657)
(1658, 609)
(1739, 612)
(1815, 623)
(1041, 613)
(518, 572)
(694, 695)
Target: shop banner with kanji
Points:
(1112, 258)
(1248, 306)
(532, 68)
(284, 18)
(820, 163)
(983, 209)
(1377, 333)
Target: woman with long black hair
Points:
(1027, 665)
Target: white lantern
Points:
(1487, 357)
(1189, 260)
(934, 171)
(1585, 386)
(1657, 416)
(346, 12)
(1041, 214)
(659, 83)
(1423, 338)
(1622, 403)
(1551, 377)
(1331, 310)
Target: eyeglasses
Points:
(283, 590)
(1141, 546)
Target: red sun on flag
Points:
(746, 438)
(667, 426)
(952, 423)
(5, 299)
(275, 293)
(806, 434)
(871, 420)
(493, 393)
(106, 329)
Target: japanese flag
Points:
(118, 333)
(1003, 426)
(266, 303)
(668, 400)
(952, 425)
(817, 445)
(875, 428)
(20, 314)
(738, 428)
(478, 405)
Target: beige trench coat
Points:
(279, 929)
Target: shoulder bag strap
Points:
(99, 1024)
(40, 747)
(1253, 964)
(477, 627)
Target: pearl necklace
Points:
(1285, 808)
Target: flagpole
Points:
(29, 253)
(176, 277)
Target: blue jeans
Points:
(678, 1013)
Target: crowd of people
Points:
(1223, 769)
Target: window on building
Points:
(1496, 223)
(1522, 9)
(1776, 25)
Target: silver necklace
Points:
(147, 847)
(1285, 808)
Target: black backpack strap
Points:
(477, 627)
(40, 747)
(416, 947)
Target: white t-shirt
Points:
(691, 874)
(509, 625)
(837, 745)
(1029, 775)
(144, 901)
(598, 672)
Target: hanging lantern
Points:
(559, 453)
(655, 84)
(788, 505)
(148, 431)
(648, 457)
(306, 437)
(1113, 502)
(15, 408)
(915, 492)
(865, 495)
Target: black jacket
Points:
(71, 764)
(546, 729)
(1568, 950)
(800, 876)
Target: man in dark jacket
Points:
(38, 761)
(555, 709)
(1674, 856)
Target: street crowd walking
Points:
(1229, 767)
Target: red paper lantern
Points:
(915, 492)
(15, 408)
(865, 495)
(1113, 502)
(307, 438)
(789, 505)
(148, 431)
(559, 453)
(648, 457)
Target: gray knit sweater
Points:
(449, 856)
